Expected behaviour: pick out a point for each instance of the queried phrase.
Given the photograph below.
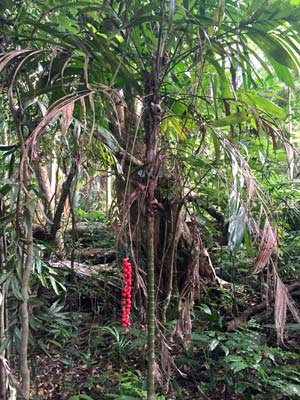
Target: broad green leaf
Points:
(5, 189)
(233, 358)
(205, 309)
(213, 344)
(272, 48)
(263, 104)
(231, 119)
(5, 276)
(225, 349)
(178, 128)
(224, 84)
(239, 366)
(9, 147)
(108, 138)
(283, 73)
(216, 143)
(54, 284)
(15, 287)
(196, 337)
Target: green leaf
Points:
(178, 128)
(216, 143)
(239, 366)
(15, 287)
(8, 148)
(5, 189)
(54, 285)
(231, 119)
(108, 139)
(205, 309)
(272, 49)
(263, 104)
(213, 344)
(196, 337)
(125, 397)
(234, 358)
(283, 74)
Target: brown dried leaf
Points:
(166, 362)
(7, 58)
(251, 188)
(67, 116)
(280, 309)
(283, 301)
(52, 113)
(56, 109)
(268, 246)
(92, 104)
(290, 152)
(183, 327)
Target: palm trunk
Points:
(3, 377)
(152, 120)
(25, 280)
(151, 306)
(24, 314)
(25, 177)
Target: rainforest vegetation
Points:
(149, 199)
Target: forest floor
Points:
(91, 358)
(83, 352)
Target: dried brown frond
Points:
(166, 362)
(67, 116)
(283, 301)
(64, 106)
(280, 309)
(10, 57)
(268, 247)
(183, 326)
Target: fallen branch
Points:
(95, 254)
(249, 312)
(84, 269)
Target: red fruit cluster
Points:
(126, 296)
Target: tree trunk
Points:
(152, 120)
(45, 188)
(24, 314)
(62, 200)
(3, 377)
(25, 178)
(108, 189)
(151, 307)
